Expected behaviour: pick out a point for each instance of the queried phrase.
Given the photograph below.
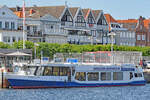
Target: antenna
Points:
(66, 3)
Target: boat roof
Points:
(82, 65)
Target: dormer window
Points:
(112, 25)
(80, 21)
(102, 21)
(67, 17)
(117, 26)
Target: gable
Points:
(102, 20)
(141, 25)
(49, 18)
(5, 12)
(90, 18)
(79, 14)
(66, 16)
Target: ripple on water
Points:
(101, 93)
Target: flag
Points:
(24, 16)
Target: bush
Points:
(49, 49)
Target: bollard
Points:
(2, 76)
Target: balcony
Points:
(91, 25)
(66, 24)
(79, 33)
(34, 34)
(104, 27)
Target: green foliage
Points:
(5, 46)
(49, 49)
(29, 45)
(18, 45)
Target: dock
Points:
(147, 75)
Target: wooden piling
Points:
(2, 78)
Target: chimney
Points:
(31, 11)
(18, 8)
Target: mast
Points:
(112, 34)
(24, 20)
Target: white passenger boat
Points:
(67, 75)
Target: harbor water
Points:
(99, 93)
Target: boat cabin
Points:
(88, 73)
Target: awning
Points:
(2, 54)
(18, 54)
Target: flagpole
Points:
(24, 24)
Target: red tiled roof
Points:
(128, 21)
(55, 11)
(147, 23)
(109, 18)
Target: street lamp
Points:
(35, 44)
(112, 35)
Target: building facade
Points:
(141, 28)
(41, 26)
(72, 25)
(9, 30)
(123, 36)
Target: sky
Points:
(119, 9)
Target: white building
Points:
(72, 25)
(9, 31)
(41, 26)
(123, 36)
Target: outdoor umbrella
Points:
(18, 54)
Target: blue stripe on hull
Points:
(16, 83)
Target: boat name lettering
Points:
(103, 68)
(127, 69)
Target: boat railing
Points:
(101, 57)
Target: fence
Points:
(116, 57)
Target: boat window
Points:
(39, 71)
(63, 71)
(131, 75)
(55, 71)
(93, 76)
(81, 76)
(117, 75)
(73, 71)
(29, 70)
(48, 71)
(105, 76)
(137, 74)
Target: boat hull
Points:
(27, 84)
